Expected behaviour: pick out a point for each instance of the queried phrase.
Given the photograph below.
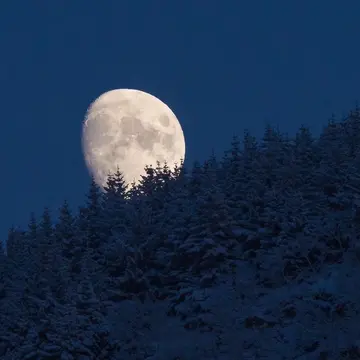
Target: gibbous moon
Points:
(130, 129)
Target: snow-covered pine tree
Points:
(231, 162)
(115, 204)
(117, 210)
(16, 249)
(147, 184)
(2, 250)
(203, 249)
(179, 210)
(240, 169)
(158, 201)
(4, 275)
(304, 158)
(351, 128)
(40, 286)
(46, 240)
(331, 142)
(331, 171)
(213, 211)
(195, 180)
(65, 231)
(211, 168)
(133, 193)
(178, 169)
(250, 150)
(81, 325)
(179, 180)
(32, 230)
(274, 156)
(81, 230)
(93, 232)
(231, 180)
(86, 297)
(163, 178)
(149, 215)
(70, 250)
(95, 227)
(49, 257)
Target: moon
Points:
(130, 129)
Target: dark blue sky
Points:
(220, 66)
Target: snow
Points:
(254, 256)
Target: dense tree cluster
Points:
(176, 228)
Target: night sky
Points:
(222, 67)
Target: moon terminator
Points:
(130, 129)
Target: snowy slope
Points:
(255, 256)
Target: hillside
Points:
(253, 255)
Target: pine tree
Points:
(32, 230)
(352, 133)
(46, 229)
(17, 248)
(304, 159)
(92, 232)
(148, 184)
(12, 246)
(151, 188)
(178, 210)
(95, 230)
(65, 230)
(39, 284)
(81, 231)
(67, 248)
(231, 167)
(86, 298)
(231, 162)
(333, 153)
(211, 168)
(275, 156)
(250, 156)
(2, 249)
(46, 243)
(163, 178)
(196, 180)
(31, 243)
(133, 193)
(212, 211)
(202, 249)
(115, 204)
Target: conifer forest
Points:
(254, 254)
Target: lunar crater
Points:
(164, 120)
